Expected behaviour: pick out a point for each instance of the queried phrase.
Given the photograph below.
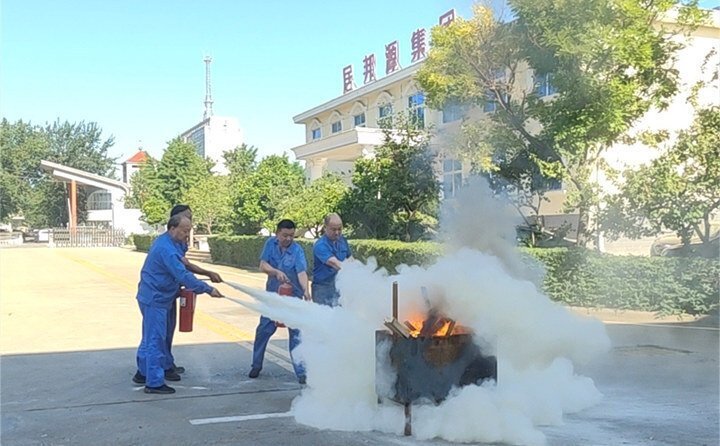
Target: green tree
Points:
(26, 189)
(146, 194)
(395, 194)
(257, 198)
(210, 202)
(22, 147)
(241, 161)
(81, 145)
(608, 62)
(179, 169)
(309, 207)
(155, 210)
(679, 190)
(159, 185)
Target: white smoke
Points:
(483, 284)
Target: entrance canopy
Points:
(75, 176)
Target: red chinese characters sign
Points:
(369, 68)
(392, 57)
(418, 44)
(347, 79)
(447, 18)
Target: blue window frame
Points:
(359, 120)
(543, 85)
(416, 106)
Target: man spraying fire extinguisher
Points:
(161, 276)
(284, 262)
(173, 371)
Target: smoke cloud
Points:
(482, 283)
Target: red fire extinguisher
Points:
(187, 309)
(285, 289)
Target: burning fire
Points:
(435, 325)
(429, 328)
(442, 327)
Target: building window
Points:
(452, 177)
(198, 139)
(359, 120)
(336, 126)
(315, 133)
(453, 112)
(491, 100)
(385, 115)
(99, 201)
(543, 85)
(490, 104)
(416, 106)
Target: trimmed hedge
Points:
(143, 241)
(665, 285)
(575, 276)
(244, 251)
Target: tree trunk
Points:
(582, 228)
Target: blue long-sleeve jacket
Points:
(163, 273)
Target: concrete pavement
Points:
(69, 327)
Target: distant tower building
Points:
(214, 134)
(133, 164)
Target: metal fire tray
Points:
(428, 367)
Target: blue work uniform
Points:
(161, 276)
(323, 280)
(291, 262)
(172, 316)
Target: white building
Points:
(105, 199)
(213, 136)
(345, 128)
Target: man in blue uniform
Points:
(328, 254)
(283, 261)
(161, 276)
(172, 371)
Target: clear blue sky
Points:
(135, 66)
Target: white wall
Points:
(221, 134)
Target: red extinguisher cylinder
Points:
(285, 289)
(187, 309)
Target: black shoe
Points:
(302, 380)
(178, 369)
(170, 375)
(254, 373)
(162, 389)
(138, 378)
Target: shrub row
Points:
(244, 251)
(665, 285)
(575, 276)
(142, 242)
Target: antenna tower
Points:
(208, 93)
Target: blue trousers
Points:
(265, 329)
(152, 353)
(325, 294)
(172, 322)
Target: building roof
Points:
(352, 95)
(67, 173)
(139, 157)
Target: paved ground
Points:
(69, 327)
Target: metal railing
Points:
(86, 237)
